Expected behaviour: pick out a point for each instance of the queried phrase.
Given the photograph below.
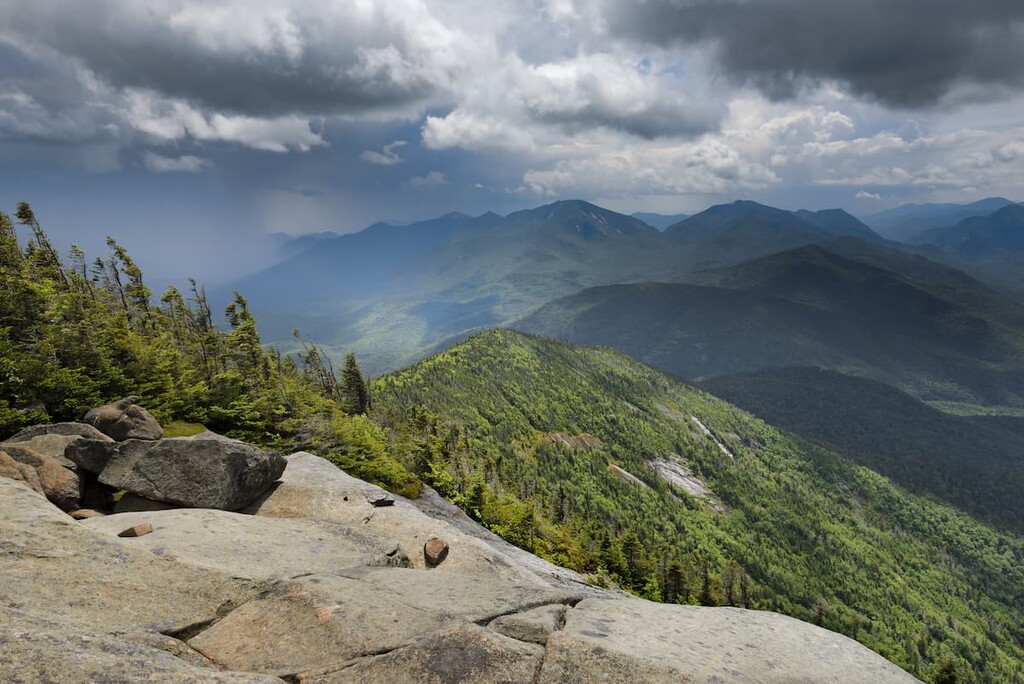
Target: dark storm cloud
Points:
(903, 53)
(658, 118)
(257, 58)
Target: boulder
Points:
(16, 470)
(90, 455)
(62, 429)
(53, 446)
(209, 473)
(351, 614)
(124, 419)
(312, 487)
(39, 649)
(59, 484)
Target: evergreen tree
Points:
(948, 673)
(354, 391)
(675, 590)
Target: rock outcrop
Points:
(58, 483)
(313, 583)
(75, 465)
(208, 473)
(124, 419)
(61, 429)
(16, 470)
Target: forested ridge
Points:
(546, 429)
(555, 447)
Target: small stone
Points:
(381, 500)
(84, 513)
(435, 551)
(136, 530)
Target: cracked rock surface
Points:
(314, 584)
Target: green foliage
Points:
(355, 394)
(791, 526)
(179, 428)
(78, 335)
(973, 462)
(359, 447)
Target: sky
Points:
(192, 130)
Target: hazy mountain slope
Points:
(693, 331)
(973, 462)
(905, 222)
(356, 264)
(838, 222)
(659, 221)
(571, 434)
(848, 275)
(990, 247)
(733, 233)
(980, 236)
(811, 306)
(392, 292)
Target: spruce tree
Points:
(355, 393)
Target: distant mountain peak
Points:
(1001, 231)
(908, 222)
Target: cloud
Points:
(1010, 152)
(430, 180)
(524, 106)
(173, 120)
(261, 58)
(184, 164)
(904, 53)
(476, 131)
(764, 146)
(865, 195)
(387, 156)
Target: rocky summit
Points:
(304, 577)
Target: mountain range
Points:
(906, 222)
(659, 221)
(392, 293)
(844, 304)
